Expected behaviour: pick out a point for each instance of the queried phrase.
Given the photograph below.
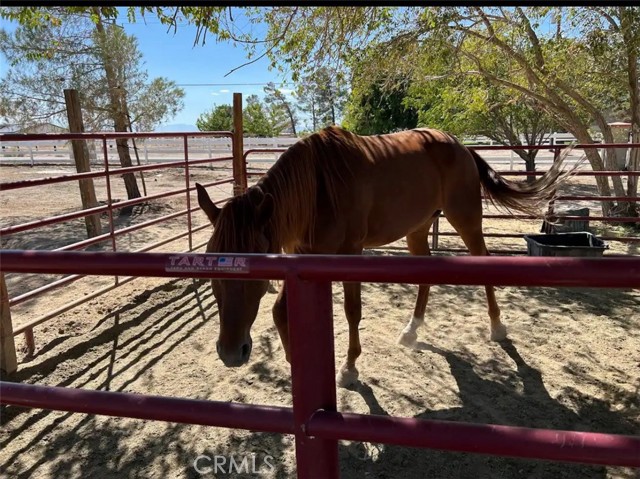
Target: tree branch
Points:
(533, 38)
(271, 48)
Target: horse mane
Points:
(312, 172)
(236, 216)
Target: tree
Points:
(276, 99)
(308, 101)
(376, 109)
(602, 43)
(256, 120)
(79, 50)
(220, 118)
(263, 120)
(471, 105)
(323, 95)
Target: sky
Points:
(199, 70)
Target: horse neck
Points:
(294, 192)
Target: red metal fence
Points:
(108, 172)
(314, 418)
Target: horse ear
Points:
(211, 210)
(256, 195)
(265, 209)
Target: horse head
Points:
(241, 226)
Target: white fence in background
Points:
(148, 150)
(153, 150)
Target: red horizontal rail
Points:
(43, 289)
(52, 220)
(534, 173)
(186, 411)
(263, 150)
(469, 270)
(575, 173)
(558, 445)
(111, 135)
(598, 198)
(100, 209)
(622, 239)
(143, 199)
(612, 219)
(579, 146)
(69, 279)
(555, 445)
(102, 173)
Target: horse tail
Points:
(526, 198)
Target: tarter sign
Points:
(191, 263)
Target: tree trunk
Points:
(530, 165)
(611, 162)
(628, 30)
(582, 135)
(292, 120)
(313, 115)
(119, 117)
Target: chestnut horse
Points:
(335, 192)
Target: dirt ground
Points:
(570, 362)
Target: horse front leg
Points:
(281, 320)
(418, 244)
(348, 374)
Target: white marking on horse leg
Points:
(409, 336)
(498, 332)
(347, 376)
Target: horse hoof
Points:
(347, 377)
(408, 338)
(499, 333)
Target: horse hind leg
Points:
(348, 373)
(418, 244)
(468, 223)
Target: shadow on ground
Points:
(531, 408)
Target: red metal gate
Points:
(314, 419)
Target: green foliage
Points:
(322, 95)
(71, 52)
(256, 118)
(376, 110)
(259, 119)
(219, 118)
(281, 106)
(263, 120)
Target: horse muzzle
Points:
(235, 356)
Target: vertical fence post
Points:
(239, 170)
(188, 184)
(81, 158)
(435, 233)
(107, 176)
(313, 385)
(8, 359)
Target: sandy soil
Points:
(570, 362)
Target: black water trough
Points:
(565, 244)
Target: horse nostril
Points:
(246, 350)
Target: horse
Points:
(336, 192)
